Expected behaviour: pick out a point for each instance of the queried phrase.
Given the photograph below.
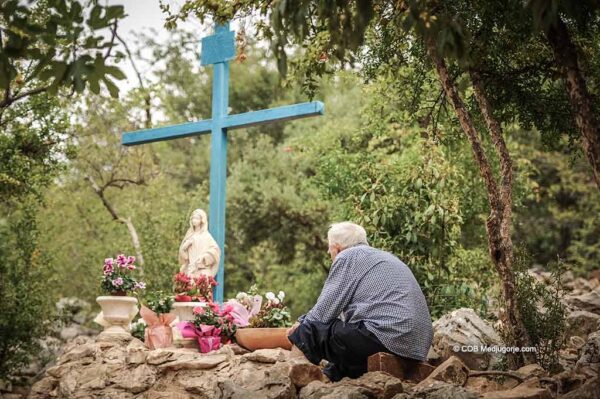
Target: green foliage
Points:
(25, 304)
(543, 313)
(58, 43)
(159, 301)
(562, 217)
(138, 330)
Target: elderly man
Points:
(370, 303)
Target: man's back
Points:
(374, 287)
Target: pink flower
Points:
(130, 260)
(140, 285)
(108, 261)
(121, 260)
(107, 269)
(198, 310)
(131, 266)
(227, 309)
(117, 282)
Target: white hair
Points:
(346, 234)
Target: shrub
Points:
(26, 309)
(543, 312)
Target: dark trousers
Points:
(345, 346)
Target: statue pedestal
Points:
(185, 312)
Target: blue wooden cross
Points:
(218, 49)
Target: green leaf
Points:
(112, 88)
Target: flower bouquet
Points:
(158, 320)
(212, 326)
(190, 289)
(266, 322)
(118, 277)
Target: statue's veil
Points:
(190, 231)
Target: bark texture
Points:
(135, 240)
(582, 104)
(499, 196)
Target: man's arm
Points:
(336, 293)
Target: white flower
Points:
(281, 295)
(241, 296)
(270, 296)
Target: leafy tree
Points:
(431, 33)
(53, 44)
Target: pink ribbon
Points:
(209, 337)
(158, 331)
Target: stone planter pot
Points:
(117, 312)
(185, 312)
(263, 338)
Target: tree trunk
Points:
(582, 106)
(135, 240)
(498, 222)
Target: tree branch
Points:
(10, 100)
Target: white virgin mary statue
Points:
(199, 253)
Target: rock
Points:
(589, 301)
(115, 355)
(267, 355)
(575, 343)
(78, 352)
(438, 390)
(589, 361)
(200, 362)
(567, 380)
(115, 338)
(482, 384)
(582, 323)
(320, 390)
(199, 383)
(303, 373)
(452, 371)
(519, 392)
(370, 385)
(589, 390)
(159, 356)
(433, 357)
(464, 329)
(136, 381)
(44, 388)
(533, 369)
(136, 352)
(71, 332)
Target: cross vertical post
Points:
(217, 50)
(218, 164)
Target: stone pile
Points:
(122, 367)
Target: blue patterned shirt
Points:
(375, 287)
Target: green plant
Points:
(138, 329)
(273, 313)
(543, 313)
(159, 301)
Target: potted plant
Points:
(212, 326)
(158, 318)
(267, 325)
(193, 289)
(118, 309)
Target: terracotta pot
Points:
(183, 298)
(263, 338)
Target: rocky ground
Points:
(106, 367)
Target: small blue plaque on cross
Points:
(218, 50)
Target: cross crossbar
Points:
(236, 121)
